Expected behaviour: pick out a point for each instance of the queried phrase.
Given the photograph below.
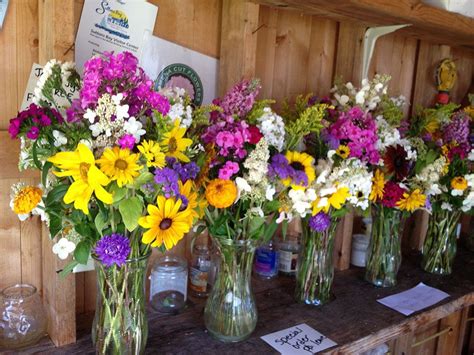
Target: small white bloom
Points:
(121, 112)
(471, 155)
(96, 129)
(63, 248)
(269, 193)
(242, 185)
(90, 115)
(457, 192)
(256, 211)
(59, 138)
(360, 97)
(117, 99)
(284, 216)
(134, 127)
(87, 143)
(344, 99)
(446, 206)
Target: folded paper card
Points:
(414, 299)
(300, 339)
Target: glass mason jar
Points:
(315, 270)
(199, 285)
(23, 320)
(231, 313)
(289, 250)
(120, 324)
(384, 255)
(169, 284)
(439, 248)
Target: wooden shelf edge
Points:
(428, 22)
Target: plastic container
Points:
(360, 244)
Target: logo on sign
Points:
(184, 77)
(114, 21)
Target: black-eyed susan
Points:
(378, 184)
(174, 144)
(165, 222)
(191, 196)
(88, 179)
(221, 193)
(152, 152)
(301, 163)
(343, 151)
(120, 165)
(411, 201)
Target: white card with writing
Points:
(300, 339)
(414, 299)
(113, 25)
(60, 98)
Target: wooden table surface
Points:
(353, 319)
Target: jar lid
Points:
(361, 239)
(169, 264)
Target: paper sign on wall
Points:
(300, 339)
(3, 11)
(113, 25)
(172, 65)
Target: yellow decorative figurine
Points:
(446, 76)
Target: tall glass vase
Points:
(231, 313)
(315, 265)
(439, 248)
(384, 253)
(120, 324)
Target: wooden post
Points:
(238, 42)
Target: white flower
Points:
(90, 115)
(256, 211)
(471, 155)
(242, 185)
(273, 128)
(360, 97)
(446, 206)
(344, 99)
(134, 127)
(284, 216)
(117, 99)
(59, 138)
(302, 200)
(96, 129)
(176, 111)
(63, 248)
(269, 193)
(87, 143)
(121, 112)
(457, 192)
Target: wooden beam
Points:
(238, 42)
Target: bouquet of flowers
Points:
(118, 177)
(444, 169)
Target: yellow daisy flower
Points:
(378, 184)
(459, 183)
(174, 143)
(221, 193)
(165, 222)
(152, 152)
(336, 200)
(343, 151)
(118, 164)
(88, 179)
(25, 198)
(300, 162)
(188, 191)
(411, 201)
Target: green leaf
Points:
(255, 225)
(118, 192)
(101, 222)
(44, 173)
(82, 252)
(339, 213)
(56, 194)
(55, 225)
(270, 230)
(68, 269)
(131, 209)
(142, 179)
(34, 152)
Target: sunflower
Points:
(343, 151)
(411, 201)
(221, 193)
(152, 152)
(174, 143)
(459, 183)
(118, 164)
(378, 184)
(300, 162)
(165, 223)
(88, 179)
(396, 162)
(187, 190)
(25, 198)
(336, 200)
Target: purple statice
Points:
(320, 222)
(239, 100)
(188, 171)
(457, 131)
(168, 179)
(113, 249)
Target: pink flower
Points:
(127, 141)
(33, 133)
(14, 127)
(230, 168)
(225, 139)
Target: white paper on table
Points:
(170, 64)
(300, 339)
(113, 25)
(3, 11)
(414, 299)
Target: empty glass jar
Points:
(23, 319)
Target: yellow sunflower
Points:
(187, 190)
(378, 184)
(343, 151)
(165, 223)
(119, 164)
(174, 143)
(336, 200)
(411, 201)
(25, 198)
(221, 193)
(300, 162)
(88, 179)
(152, 152)
(459, 183)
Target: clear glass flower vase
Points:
(384, 253)
(315, 271)
(230, 314)
(439, 248)
(120, 324)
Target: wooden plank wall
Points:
(293, 53)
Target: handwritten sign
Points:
(414, 299)
(300, 339)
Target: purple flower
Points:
(320, 222)
(239, 100)
(127, 141)
(113, 249)
(14, 127)
(457, 130)
(188, 171)
(168, 179)
(33, 133)
(279, 167)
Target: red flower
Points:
(392, 194)
(255, 135)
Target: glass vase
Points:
(120, 323)
(23, 319)
(315, 265)
(439, 248)
(230, 314)
(384, 255)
